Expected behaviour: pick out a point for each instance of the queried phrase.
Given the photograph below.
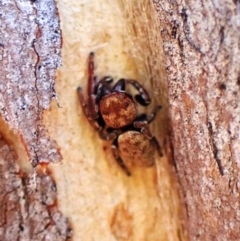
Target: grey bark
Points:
(30, 44)
(28, 203)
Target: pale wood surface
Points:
(100, 200)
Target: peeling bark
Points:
(202, 47)
(28, 203)
(30, 44)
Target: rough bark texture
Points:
(202, 47)
(29, 55)
(201, 43)
(28, 205)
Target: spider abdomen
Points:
(135, 149)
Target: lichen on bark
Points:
(30, 43)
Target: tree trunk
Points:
(87, 196)
(202, 55)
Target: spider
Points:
(113, 113)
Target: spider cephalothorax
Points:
(113, 112)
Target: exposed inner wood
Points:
(100, 200)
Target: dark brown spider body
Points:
(118, 109)
(113, 113)
(135, 149)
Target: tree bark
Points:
(202, 55)
(29, 55)
(28, 208)
(96, 200)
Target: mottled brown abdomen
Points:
(136, 149)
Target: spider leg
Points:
(143, 97)
(82, 101)
(119, 160)
(106, 80)
(89, 108)
(102, 88)
(143, 124)
(109, 135)
(102, 82)
(120, 85)
(90, 105)
(152, 116)
(157, 146)
(91, 77)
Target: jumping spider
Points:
(113, 113)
